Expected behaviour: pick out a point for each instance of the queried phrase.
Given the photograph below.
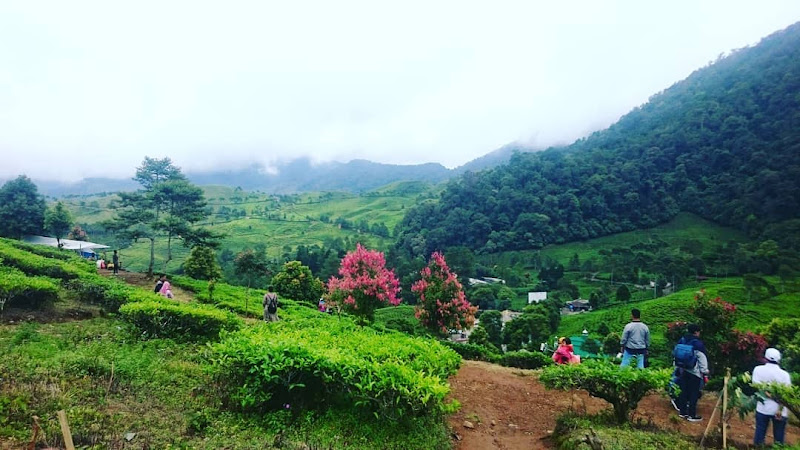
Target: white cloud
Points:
(99, 85)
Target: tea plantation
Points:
(160, 373)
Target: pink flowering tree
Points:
(365, 284)
(442, 304)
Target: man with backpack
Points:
(635, 340)
(691, 365)
(270, 304)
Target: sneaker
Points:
(694, 418)
(674, 405)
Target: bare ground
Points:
(509, 409)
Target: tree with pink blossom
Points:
(443, 305)
(365, 284)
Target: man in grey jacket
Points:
(635, 340)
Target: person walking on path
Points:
(693, 370)
(769, 409)
(115, 261)
(270, 304)
(635, 340)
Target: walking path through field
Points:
(143, 281)
(509, 409)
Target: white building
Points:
(536, 297)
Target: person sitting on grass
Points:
(166, 289)
(565, 352)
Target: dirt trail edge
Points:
(509, 409)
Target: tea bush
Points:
(33, 264)
(50, 252)
(181, 322)
(18, 290)
(473, 352)
(327, 360)
(525, 360)
(623, 387)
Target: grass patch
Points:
(572, 431)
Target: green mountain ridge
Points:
(721, 144)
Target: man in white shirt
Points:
(769, 409)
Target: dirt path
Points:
(143, 281)
(509, 409)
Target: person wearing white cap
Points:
(769, 409)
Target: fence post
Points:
(62, 419)
(725, 408)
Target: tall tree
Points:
(442, 305)
(183, 205)
(365, 284)
(251, 265)
(166, 206)
(57, 221)
(21, 208)
(296, 281)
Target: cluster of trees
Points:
(23, 211)
(721, 143)
(535, 325)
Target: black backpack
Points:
(272, 306)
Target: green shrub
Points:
(400, 318)
(107, 292)
(33, 264)
(21, 291)
(784, 334)
(591, 346)
(611, 343)
(181, 322)
(473, 352)
(50, 252)
(525, 360)
(623, 387)
(324, 360)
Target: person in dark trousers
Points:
(768, 409)
(635, 340)
(159, 284)
(115, 261)
(690, 379)
(697, 344)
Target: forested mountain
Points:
(723, 143)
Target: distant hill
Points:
(86, 186)
(722, 144)
(300, 175)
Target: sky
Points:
(91, 88)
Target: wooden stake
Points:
(725, 408)
(710, 420)
(110, 381)
(62, 419)
(36, 428)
